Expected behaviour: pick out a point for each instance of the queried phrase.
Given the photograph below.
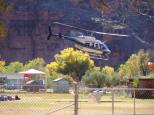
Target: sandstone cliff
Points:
(28, 29)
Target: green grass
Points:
(40, 103)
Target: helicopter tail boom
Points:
(59, 35)
(53, 34)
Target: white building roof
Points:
(12, 76)
(59, 79)
(32, 71)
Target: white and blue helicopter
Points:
(96, 48)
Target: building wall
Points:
(146, 83)
(60, 86)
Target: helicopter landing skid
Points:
(95, 56)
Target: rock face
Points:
(28, 29)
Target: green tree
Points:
(94, 78)
(108, 70)
(136, 65)
(112, 76)
(37, 63)
(14, 67)
(144, 58)
(2, 29)
(2, 67)
(71, 62)
(123, 70)
(5, 8)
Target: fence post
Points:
(134, 101)
(112, 101)
(76, 96)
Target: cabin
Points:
(60, 85)
(145, 83)
(12, 81)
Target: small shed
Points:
(60, 85)
(145, 83)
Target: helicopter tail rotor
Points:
(50, 32)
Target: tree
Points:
(51, 70)
(144, 58)
(108, 70)
(37, 63)
(136, 65)
(122, 70)
(2, 29)
(71, 62)
(2, 67)
(5, 7)
(112, 76)
(94, 78)
(99, 78)
(14, 67)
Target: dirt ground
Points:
(40, 104)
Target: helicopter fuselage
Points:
(90, 44)
(96, 48)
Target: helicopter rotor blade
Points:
(111, 34)
(71, 26)
(102, 33)
(139, 39)
(50, 32)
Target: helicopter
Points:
(94, 47)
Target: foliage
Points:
(37, 63)
(108, 70)
(112, 76)
(94, 78)
(144, 58)
(136, 82)
(107, 76)
(123, 70)
(71, 62)
(113, 80)
(2, 67)
(5, 8)
(135, 65)
(14, 67)
(2, 29)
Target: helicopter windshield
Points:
(104, 46)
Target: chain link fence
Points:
(116, 101)
(90, 101)
(21, 101)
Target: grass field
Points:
(41, 103)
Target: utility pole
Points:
(76, 97)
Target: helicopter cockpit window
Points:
(92, 45)
(97, 46)
(103, 46)
(87, 44)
